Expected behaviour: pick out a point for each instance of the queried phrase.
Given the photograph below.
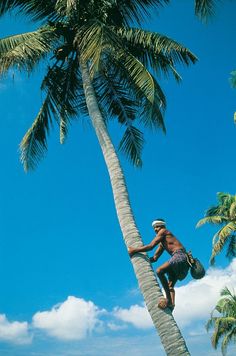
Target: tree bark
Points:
(163, 320)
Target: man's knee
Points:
(171, 284)
(160, 271)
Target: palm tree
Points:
(223, 214)
(224, 324)
(98, 66)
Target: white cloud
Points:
(116, 327)
(72, 320)
(15, 332)
(196, 300)
(136, 315)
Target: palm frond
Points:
(34, 143)
(91, 43)
(225, 292)
(218, 220)
(231, 249)
(230, 336)
(132, 144)
(205, 9)
(36, 9)
(115, 95)
(25, 50)
(232, 210)
(222, 235)
(153, 48)
(146, 88)
(62, 83)
(137, 10)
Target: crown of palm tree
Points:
(223, 214)
(118, 56)
(225, 324)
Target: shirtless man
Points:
(176, 268)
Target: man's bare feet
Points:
(164, 303)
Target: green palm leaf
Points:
(116, 96)
(137, 10)
(62, 84)
(34, 143)
(205, 8)
(212, 220)
(155, 45)
(146, 89)
(132, 144)
(25, 50)
(36, 9)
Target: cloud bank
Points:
(75, 318)
(72, 320)
(15, 332)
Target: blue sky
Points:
(60, 236)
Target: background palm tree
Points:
(224, 324)
(98, 66)
(223, 214)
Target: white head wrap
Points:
(157, 223)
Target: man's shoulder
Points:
(163, 232)
(166, 232)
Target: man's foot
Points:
(164, 303)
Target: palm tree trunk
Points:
(164, 322)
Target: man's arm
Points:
(157, 254)
(157, 239)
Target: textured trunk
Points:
(164, 322)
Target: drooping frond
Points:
(34, 143)
(229, 337)
(205, 9)
(161, 52)
(137, 10)
(63, 83)
(132, 144)
(25, 50)
(91, 42)
(232, 210)
(147, 90)
(222, 237)
(218, 220)
(36, 9)
(115, 95)
(231, 249)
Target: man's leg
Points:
(161, 274)
(171, 284)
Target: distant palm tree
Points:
(224, 324)
(233, 84)
(98, 66)
(223, 214)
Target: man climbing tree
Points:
(176, 268)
